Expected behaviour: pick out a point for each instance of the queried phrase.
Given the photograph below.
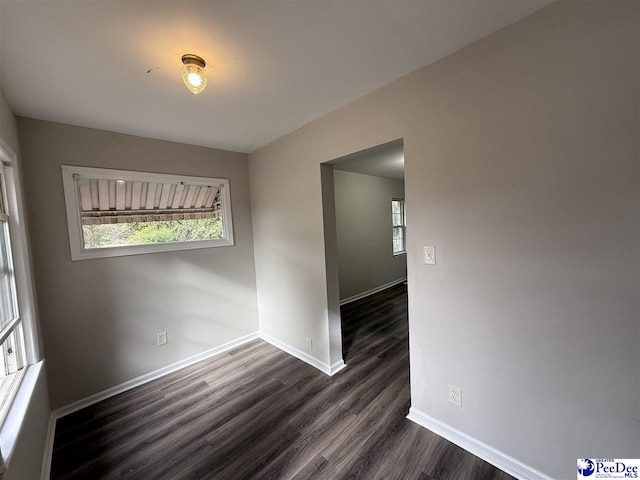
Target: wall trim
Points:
(305, 357)
(45, 470)
(128, 385)
(17, 408)
(372, 291)
(148, 377)
(480, 449)
(337, 366)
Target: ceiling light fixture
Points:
(193, 72)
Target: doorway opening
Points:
(365, 245)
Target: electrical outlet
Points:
(455, 395)
(162, 338)
(310, 344)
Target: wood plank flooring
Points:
(255, 412)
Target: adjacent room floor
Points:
(255, 412)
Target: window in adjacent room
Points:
(117, 212)
(399, 226)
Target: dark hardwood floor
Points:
(255, 412)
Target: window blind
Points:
(105, 201)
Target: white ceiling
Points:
(273, 66)
(382, 161)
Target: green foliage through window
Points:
(144, 233)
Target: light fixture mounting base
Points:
(189, 58)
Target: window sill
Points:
(148, 248)
(8, 388)
(404, 252)
(17, 411)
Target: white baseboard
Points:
(372, 291)
(305, 357)
(147, 377)
(337, 366)
(141, 380)
(128, 385)
(501, 460)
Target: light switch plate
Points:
(430, 255)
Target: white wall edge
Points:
(18, 408)
(305, 357)
(480, 449)
(45, 470)
(372, 291)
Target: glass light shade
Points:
(194, 79)
(193, 73)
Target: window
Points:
(20, 361)
(399, 226)
(12, 347)
(117, 212)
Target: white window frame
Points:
(402, 226)
(74, 222)
(16, 405)
(14, 327)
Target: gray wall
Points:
(8, 126)
(364, 232)
(25, 460)
(100, 317)
(521, 163)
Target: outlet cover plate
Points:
(162, 338)
(455, 395)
